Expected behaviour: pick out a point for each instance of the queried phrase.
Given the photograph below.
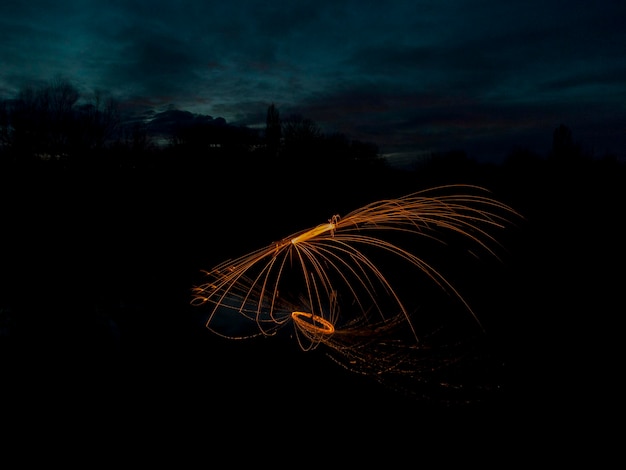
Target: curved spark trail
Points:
(334, 282)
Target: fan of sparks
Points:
(344, 283)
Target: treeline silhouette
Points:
(54, 126)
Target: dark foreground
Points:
(98, 333)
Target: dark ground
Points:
(98, 333)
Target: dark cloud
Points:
(409, 75)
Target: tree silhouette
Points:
(49, 120)
(5, 125)
(301, 141)
(48, 123)
(97, 122)
(299, 130)
(564, 148)
(272, 131)
(562, 142)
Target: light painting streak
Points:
(326, 281)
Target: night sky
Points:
(101, 245)
(413, 77)
(100, 248)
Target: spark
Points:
(328, 281)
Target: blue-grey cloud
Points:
(409, 75)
